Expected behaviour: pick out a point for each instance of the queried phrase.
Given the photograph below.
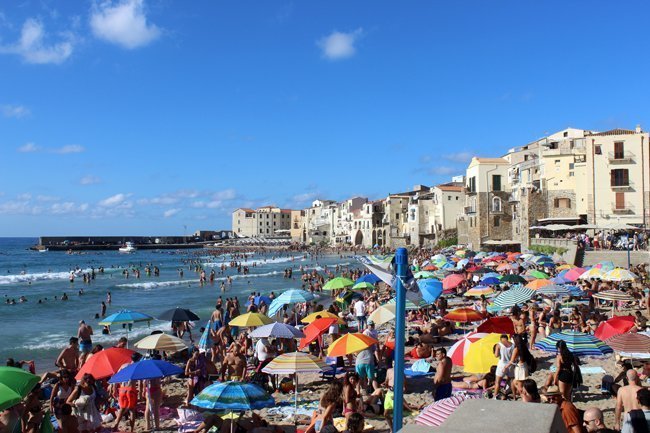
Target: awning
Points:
(558, 219)
(554, 227)
(504, 242)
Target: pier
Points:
(104, 243)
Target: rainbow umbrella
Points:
(480, 356)
(338, 283)
(591, 274)
(250, 320)
(349, 344)
(579, 343)
(479, 291)
(460, 348)
(464, 315)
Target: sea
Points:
(38, 331)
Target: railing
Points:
(629, 185)
(625, 209)
(620, 158)
(514, 197)
(469, 210)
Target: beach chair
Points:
(332, 370)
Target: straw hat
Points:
(552, 390)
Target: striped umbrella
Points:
(277, 330)
(554, 291)
(205, 341)
(538, 284)
(591, 274)
(436, 413)
(479, 291)
(632, 343)
(615, 326)
(291, 296)
(235, 396)
(579, 343)
(514, 296)
(573, 274)
(460, 348)
(464, 315)
(613, 295)
(349, 344)
(338, 283)
(620, 274)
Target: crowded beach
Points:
(511, 327)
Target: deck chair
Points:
(330, 372)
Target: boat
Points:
(128, 248)
(44, 250)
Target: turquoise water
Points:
(39, 331)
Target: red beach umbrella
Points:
(497, 325)
(452, 281)
(458, 351)
(464, 315)
(574, 273)
(615, 326)
(315, 329)
(105, 363)
(633, 343)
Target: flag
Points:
(383, 266)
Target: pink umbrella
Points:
(458, 351)
(435, 414)
(452, 281)
(573, 274)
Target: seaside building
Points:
(319, 221)
(267, 221)
(298, 229)
(343, 225)
(433, 212)
(367, 227)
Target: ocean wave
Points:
(260, 261)
(154, 284)
(41, 276)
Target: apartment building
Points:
(267, 221)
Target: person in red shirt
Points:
(570, 414)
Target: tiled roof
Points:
(245, 209)
(617, 131)
(455, 188)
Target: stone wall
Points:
(561, 212)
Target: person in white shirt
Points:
(360, 313)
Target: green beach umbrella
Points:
(538, 274)
(363, 286)
(338, 283)
(15, 384)
(513, 278)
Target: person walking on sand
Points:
(626, 397)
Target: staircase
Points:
(579, 257)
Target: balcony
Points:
(619, 209)
(514, 197)
(621, 157)
(620, 186)
(469, 210)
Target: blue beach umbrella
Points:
(290, 296)
(514, 296)
(233, 396)
(579, 343)
(576, 291)
(490, 281)
(553, 290)
(491, 274)
(431, 289)
(145, 370)
(368, 278)
(559, 280)
(259, 299)
(125, 316)
(204, 341)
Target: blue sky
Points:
(145, 116)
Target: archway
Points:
(358, 239)
(374, 238)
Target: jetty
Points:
(104, 243)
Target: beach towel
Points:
(287, 409)
(421, 366)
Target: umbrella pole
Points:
(295, 395)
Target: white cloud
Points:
(69, 148)
(43, 198)
(123, 23)
(29, 148)
(444, 170)
(89, 180)
(67, 207)
(24, 196)
(170, 212)
(460, 157)
(226, 194)
(114, 200)
(33, 48)
(305, 197)
(15, 111)
(339, 45)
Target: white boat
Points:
(44, 250)
(128, 248)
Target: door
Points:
(619, 150)
(620, 200)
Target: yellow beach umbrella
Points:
(251, 319)
(383, 314)
(480, 356)
(323, 315)
(564, 267)
(591, 274)
(478, 291)
(350, 343)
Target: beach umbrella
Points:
(514, 296)
(125, 317)
(349, 344)
(323, 315)
(315, 329)
(290, 296)
(461, 263)
(409, 305)
(559, 279)
(537, 274)
(277, 330)
(605, 265)
(497, 325)
(423, 274)
(481, 270)
(553, 290)
(294, 363)
(338, 283)
(513, 279)
(480, 356)
(258, 300)
(464, 315)
(620, 274)
(363, 286)
(430, 268)
(162, 342)
(613, 295)
(105, 363)
(614, 326)
(631, 343)
(459, 349)
(430, 290)
(383, 314)
(437, 412)
(575, 291)
(452, 281)
(233, 396)
(591, 274)
(178, 315)
(579, 343)
(15, 384)
(573, 274)
(250, 320)
(146, 369)
(538, 284)
(479, 291)
(368, 278)
(491, 281)
(565, 266)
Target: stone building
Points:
(267, 221)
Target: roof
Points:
(617, 131)
(245, 209)
(285, 210)
(490, 160)
(448, 187)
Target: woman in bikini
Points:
(323, 417)
(350, 394)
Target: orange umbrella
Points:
(538, 284)
(430, 268)
(105, 363)
(350, 343)
(315, 329)
(464, 315)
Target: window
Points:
(448, 197)
(471, 186)
(598, 150)
(497, 221)
(619, 150)
(496, 204)
(496, 182)
(396, 216)
(572, 165)
(564, 203)
(456, 198)
(620, 177)
(571, 174)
